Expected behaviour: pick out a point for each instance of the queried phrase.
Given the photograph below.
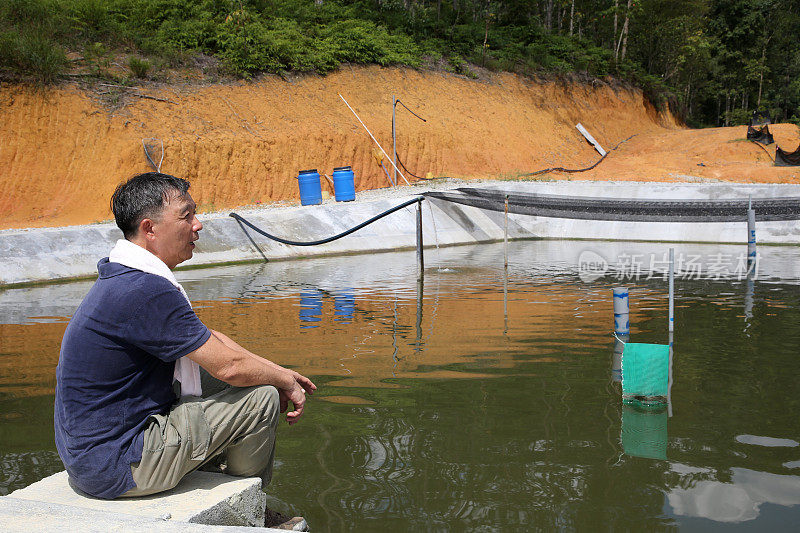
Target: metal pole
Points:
(505, 235)
(420, 258)
(505, 300)
(751, 235)
(394, 140)
(671, 290)
(420, 295)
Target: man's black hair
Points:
(143, 196)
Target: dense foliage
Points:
(717, 60)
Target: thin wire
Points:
(433, 220)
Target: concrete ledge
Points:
(24, 516)
(201, 498)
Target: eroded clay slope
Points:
(62, 153)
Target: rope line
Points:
(239, 218)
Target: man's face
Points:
(175, 230)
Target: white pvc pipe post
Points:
(671, 290)
(751, 235)
(374, 139)
(622, 324)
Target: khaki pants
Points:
(235, 427)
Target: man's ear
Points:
(146, 229)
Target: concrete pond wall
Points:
(46, 254)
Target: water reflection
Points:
(644, 431)
(443, 414)
(749, 299)
(310, 307)
(616, 357)
(769, 442)
(344, 305)
(738, 500)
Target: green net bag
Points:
(645, 373)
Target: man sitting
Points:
(119, 427)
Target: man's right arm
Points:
(238, 367)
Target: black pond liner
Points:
(760, 135)
(787, 159)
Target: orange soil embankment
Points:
(62, 154)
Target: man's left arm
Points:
(233, 345)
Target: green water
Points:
(455, 408)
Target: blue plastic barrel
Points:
(310, 189)
(343, 184)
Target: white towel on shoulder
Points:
(134, 256)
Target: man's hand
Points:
(224, 359)
(295, 393)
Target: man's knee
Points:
(268, 401)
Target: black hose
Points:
(551, 169)
(562, 169)
(762, 147)
(329, 239)
(408, 171)
(409, 110)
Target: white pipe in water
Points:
(669, 378)
(671, 290)
(622, 325)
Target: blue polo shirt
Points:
(115, 370)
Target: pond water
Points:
(486, 399)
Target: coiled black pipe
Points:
(329, 239)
